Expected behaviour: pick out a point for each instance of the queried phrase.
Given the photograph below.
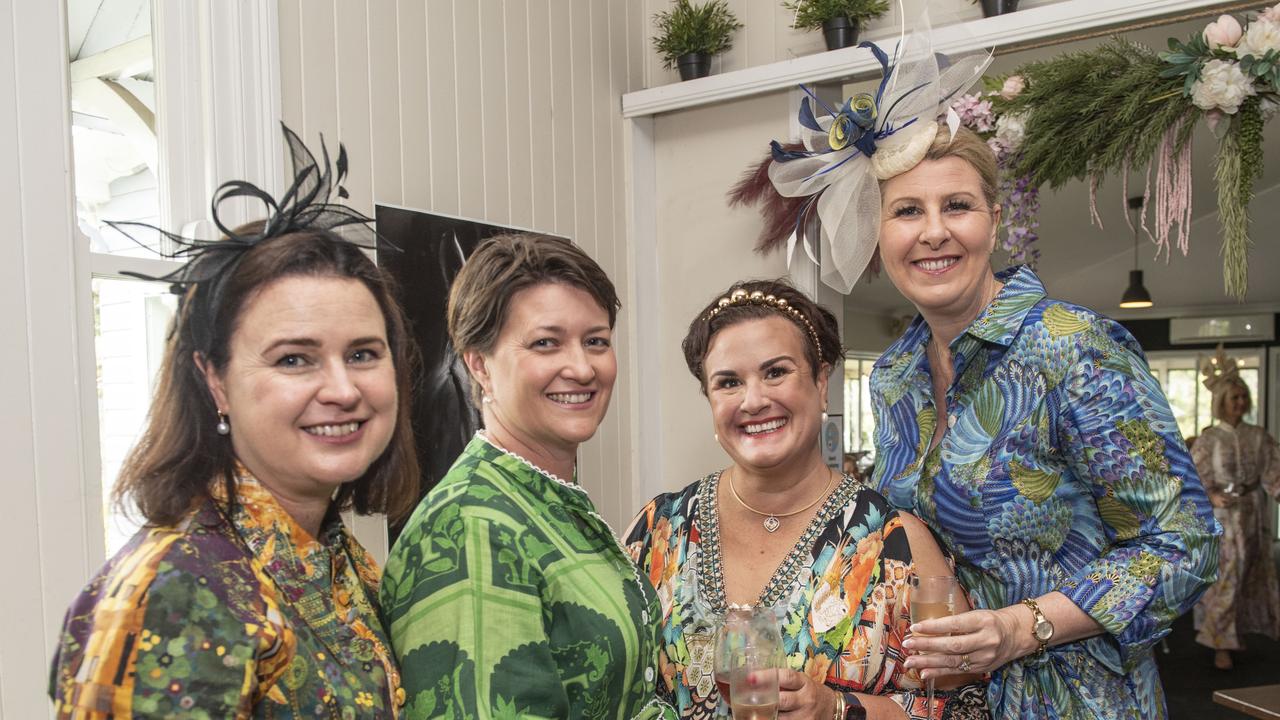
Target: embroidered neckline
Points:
(549, 475)
(711, 580)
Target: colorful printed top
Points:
(1062, 469)
(236, 614)
(841, 596)
(508, 596)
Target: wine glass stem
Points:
(929, 697)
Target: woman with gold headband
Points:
(1028, 433)
(1237, 461)
(779, 529)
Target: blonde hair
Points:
(967, 146)
(1219, 404)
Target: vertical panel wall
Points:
(53, 529)
(504, 112)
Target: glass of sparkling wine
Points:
(932, 597)
(753, 684)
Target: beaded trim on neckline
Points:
(549, 475)
(711, 580)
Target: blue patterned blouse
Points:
(1062, 469)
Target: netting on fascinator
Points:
(825, 190)
(306, 205)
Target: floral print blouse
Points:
(230, 614)
(841, 598)
(508, 596)
(1062, 468)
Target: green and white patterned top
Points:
(508, 596)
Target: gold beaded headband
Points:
(740, 296)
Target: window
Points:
(859, 426)
(1192, 404)
(115, 150)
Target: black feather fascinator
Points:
(306, 205)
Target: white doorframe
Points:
(50, 523)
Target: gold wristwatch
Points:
(1041, 629)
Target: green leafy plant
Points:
(688, 28)
(811, 14)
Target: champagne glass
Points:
(753, 682)
(744, 627)
(733, 635)
(932, 597)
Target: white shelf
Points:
(1068, 17)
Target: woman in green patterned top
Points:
(507, 595)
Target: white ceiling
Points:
(1090, 266)
(97, 25)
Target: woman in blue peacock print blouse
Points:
(1031, 436)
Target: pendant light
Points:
(1136, 296)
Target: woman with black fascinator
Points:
(280, 403)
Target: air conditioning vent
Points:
(1227, 328)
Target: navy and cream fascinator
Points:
(824, 191)
(306, 205)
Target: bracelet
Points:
(840, 706)
(853, 708)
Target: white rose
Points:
(1221, 85)
(1261, 35)
(1011, 130)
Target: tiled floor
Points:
(1190, 677)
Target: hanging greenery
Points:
(1121, 106)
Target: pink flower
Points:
(1271, 14)
(1223, 32)
(1013, 87)
(975, 113)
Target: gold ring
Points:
(964, 663)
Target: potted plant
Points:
(839, 19)
(997, 7)
(688, 35)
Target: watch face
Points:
(1044, 630)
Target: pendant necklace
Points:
(772, 521)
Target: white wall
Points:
(504, 112)
(767, 35)
(49, 517)
(703, 247)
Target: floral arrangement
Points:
(1232, 73)
(1087, 115)
(984, 113)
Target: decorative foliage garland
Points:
(1104, 111)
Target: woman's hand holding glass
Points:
(977, 641)
(801, 697)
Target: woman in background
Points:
(1238, 462)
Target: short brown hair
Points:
(1219, 403)
(180, 453)
(697, 342)
(504, 265)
